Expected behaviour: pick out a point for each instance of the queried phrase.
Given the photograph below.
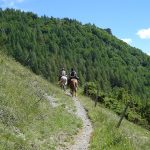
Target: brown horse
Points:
(73, 87)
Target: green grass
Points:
(27, 119)
(107, 137)
(29, 122)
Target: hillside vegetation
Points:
(44, 44)
(28, 120)
(107, 137)
(138, 110)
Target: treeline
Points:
(46, 44)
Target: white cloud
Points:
(127, 40)
(144, 33)
(9, 3)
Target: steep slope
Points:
(106, 136)
(37, 115)
(46, 44)
(33, 113)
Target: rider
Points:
(62, 73)
(73, 75)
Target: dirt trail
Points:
(81, 141)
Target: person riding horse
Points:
(73, 75)
(62, 73)
(73, 82)
(63, 79)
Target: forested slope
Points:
(46, 44)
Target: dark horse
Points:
(73, 87)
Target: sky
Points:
(129, 20)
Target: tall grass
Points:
(107, 137)
(27, 119)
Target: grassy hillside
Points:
(106, 136)
(27, 118)
(44, 44)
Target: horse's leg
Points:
(60, 83)
(61, 87)
(75, 89)
(75, 93)
(64, 87)
(72, 92)
(65, 84)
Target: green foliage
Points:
(46, 44)
(90, 89)
(137, 113)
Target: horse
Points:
(73, 86)
(63, 82)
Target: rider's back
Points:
(73, 73)
(63, 73)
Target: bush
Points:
(117, 100)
